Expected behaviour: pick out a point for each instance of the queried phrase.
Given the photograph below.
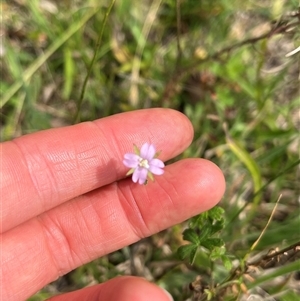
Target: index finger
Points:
(45, 169)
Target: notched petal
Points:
(130, 163)
(131, 156)
(144, 150)
(151, 152)
(156, 170)
(136, 175)
(143, 175)
(157, 162)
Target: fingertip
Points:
(134, 288)
(126, 288)
(181, 122)
(205, 181)
(169, 130)
(187, 188)
(210, 179)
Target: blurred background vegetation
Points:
(230, 65)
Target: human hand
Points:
(65, 201)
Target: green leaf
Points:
(218, 226)
(211, 243)
(209, 294)
(187, 251)
(198, 220)
(289, 296)
(227, 262)
(217, 253)
(191, 235)
(205, 232)
(208, 217)
(216, 213)
(253, 168)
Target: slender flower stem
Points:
(98, 45)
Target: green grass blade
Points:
(288, 268)
(28, 73)
(69, 72)
(250, 164)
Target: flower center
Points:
(143, 163)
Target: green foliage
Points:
(224, 64)
(204, 231)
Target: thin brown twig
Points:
(279, 28)
(273, 31)
(275, 254)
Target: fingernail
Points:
(168, 294)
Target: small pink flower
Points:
(143, 163)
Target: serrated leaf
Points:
(207, 244)
(218, 226)
(216, 213)
(187, 251)
(217, 242)
(205, 232)
(211, 243)
(195, 221)
(191, 235)
(227, 262)
(217, 253)
(198, 220)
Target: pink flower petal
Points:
(156, 170)
(144, 150)
(157, 162)
(131, 160)
(136, 175)
(140, 174)
(130, 163)
(151, 152)
(143, 175)
(131, 156)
